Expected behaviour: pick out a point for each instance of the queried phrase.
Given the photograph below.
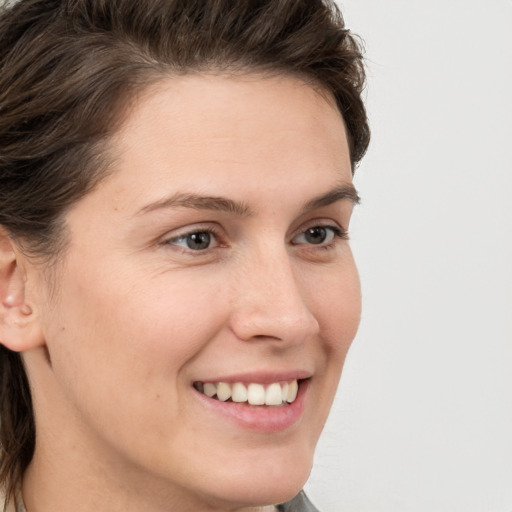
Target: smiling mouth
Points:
(274, 394)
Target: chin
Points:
(268, 481)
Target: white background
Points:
(423, 419)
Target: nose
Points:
(271, 303)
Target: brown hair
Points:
(67, 71)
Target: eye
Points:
(195, 241)
(319, 235)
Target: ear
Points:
(19, 326)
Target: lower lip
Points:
(260, 418)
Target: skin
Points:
(134, 317)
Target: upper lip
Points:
(260, 377)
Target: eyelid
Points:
(183, 238)
(170, 238)
(335, 233)
(339, 230)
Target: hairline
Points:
(102, 152)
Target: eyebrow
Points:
(198, 202)
(344, 191)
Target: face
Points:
(207, 277)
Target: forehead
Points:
(208, 131)
(195, 108)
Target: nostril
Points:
(265, 337)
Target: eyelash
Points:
(207, 229)
(337, 234)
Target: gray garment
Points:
(299, 504)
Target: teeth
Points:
(210, 389)
(277, 393)
(223, 391)
(292, 391)
(256, 394)
(239, 393)
(285, 390)
(274, 395)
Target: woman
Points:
(177, 290)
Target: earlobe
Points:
(19, 328)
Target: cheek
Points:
(135, 310)
(338, 309)
(130, 330)
(120, 349)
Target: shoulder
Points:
(299, 504)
